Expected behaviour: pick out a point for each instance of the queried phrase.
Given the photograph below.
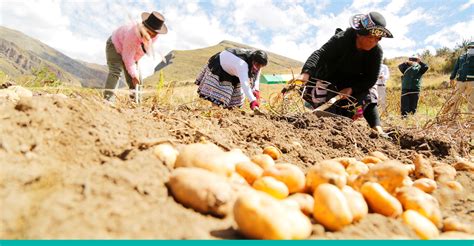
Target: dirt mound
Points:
(78, 168)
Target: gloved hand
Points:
(257, 95)
(358, 114)
(255, 104)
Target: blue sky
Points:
(293, 28)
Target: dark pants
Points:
(409, 102)
(116, 67)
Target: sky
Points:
(292, 28)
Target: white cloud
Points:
(451, 36)
(466, 5)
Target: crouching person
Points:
(232, 75)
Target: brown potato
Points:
(453, 224)
(423, 168)
(455, 235)
(415, 199)
(422, 226)
(167, 154)
(331, 208)
(271, 186)
(249, 170)
(357, 204)
(260, 216)
(291, 175)
(328, 171)
(454, 186)
(263, 160)
(426, 185)
(444, 173)
(390, 174)
(273, 152)
(380, 201)
(464, 165)
(202, 190)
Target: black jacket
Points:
(339, 62)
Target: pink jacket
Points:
(127, 42)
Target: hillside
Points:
(188, 63)
(21, 54)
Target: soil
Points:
(78, 168)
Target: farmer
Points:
(127, 45)
(381, 83)
(350, 61)
(230, 76)
(463, 72)
(412, 70)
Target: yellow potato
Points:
(263, 160)
(167, 154)
(426, 185)
(271, 186)
(415, 199)
(273, 152)
(202, 190)
(331, 208)
(371, 160)
(423, 168)
(422, 226)
(357, 168)
(380, 201)
(260, 216)
(328, 171)
(390, 174)
(210, 157)
(345, 161)
(236, 178)
(455, 235)
(357, 204)
(291, 175)
(444, 173)
(453, 224)
(410, 168)
(407, 182)
(304, 202)
(249, 170)
(379, 155)
(454, 186)
(464, 165)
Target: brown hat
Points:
(155, 22)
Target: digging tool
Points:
(319, 111)
(139, 86)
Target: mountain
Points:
(188, 63)
(21, 55)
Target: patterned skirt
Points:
(222, 93)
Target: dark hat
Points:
(372, 23)
(155, 22)
(470, 45)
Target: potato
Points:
(379, 155)
(210, 157)
(260, 216)
(410, 168)
(454, 186)
(426, 185)
(415, 199)
(291, 175)
(328, 171)
(464, 165)
(331, 208)
(357, 168)
(455, 235)
(304, 202)
(444, 173)
(407, 182)
(371, 160)
(453, 224)
(263, 160)
(236, 178)
(271, 186)
(345, 161)
(390, 174)
(357, 204)
(167, 154)
(249, 170)
(273, 152)
(380, 201)
(201, 190)
(423, 227)
(423, 168)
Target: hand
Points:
(257, 94)
(135, 82)
(254, 105)
(303, 77)
(346, 92)
(452, 83)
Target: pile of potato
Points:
(271, 200)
